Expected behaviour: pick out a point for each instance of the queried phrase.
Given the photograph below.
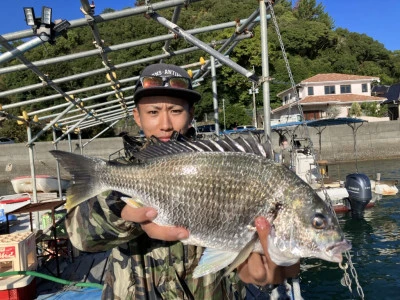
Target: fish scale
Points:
(217, 195)
(158, 184)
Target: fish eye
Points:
(319, 221)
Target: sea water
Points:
(375, 254)
(376, 246)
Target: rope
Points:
(346, 278)
(52, 278)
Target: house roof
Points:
(393, 94)
(337, 77)
(333, 99)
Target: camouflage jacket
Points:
(140, 267)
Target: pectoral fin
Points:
(214, 260)
(133, 202)
(243, 255)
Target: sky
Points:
(377, 19)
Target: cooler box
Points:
(18, 288)
(18, 252)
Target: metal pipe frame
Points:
(73, 92)
(204, 73)
(71, 128)
(99, 44)
(92, 21)
(105, 17)
(91, 107)
(166, 37)
(49, 82)
(21, 49)
(110, 119)
(88, 107)
(104, 70)
(99, 113)
(174, 19)
(99, 134)
(133, 78)
(265, 69)
(203, 46)
(215, 94)
(57, 167)
(81, 100)
(239, 30)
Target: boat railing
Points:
(118, 152)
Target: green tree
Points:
(236, 115)
(373, 109)
(308, 10)
(355, 110)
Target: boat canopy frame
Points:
(73, 115)
(93, 115)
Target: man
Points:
(148, 261)
(282, 153)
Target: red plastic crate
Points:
(21, 288)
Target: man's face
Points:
(161, 115)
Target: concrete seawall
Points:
(375, 141)
(14, 158)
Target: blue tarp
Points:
(320, 122)
(76, 294)
(331, 122)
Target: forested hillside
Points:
(312, 43)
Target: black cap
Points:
(165, 70)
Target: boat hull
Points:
(339, 199)
(44, 183)
(384, 188)
(10, 203)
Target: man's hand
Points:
(260, 269)
(144, 216)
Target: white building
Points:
(327, 95)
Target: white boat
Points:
(306, 169)
(10, 203)
(44, 183)
(384, 188)
(356, 194)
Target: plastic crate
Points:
(18, 252)
(18, 288)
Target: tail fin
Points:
(84, 171)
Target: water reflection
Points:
(375, 251)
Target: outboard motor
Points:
(359, 188)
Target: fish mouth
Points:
(337, 249)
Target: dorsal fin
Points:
(224, 144)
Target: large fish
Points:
(216, 190)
